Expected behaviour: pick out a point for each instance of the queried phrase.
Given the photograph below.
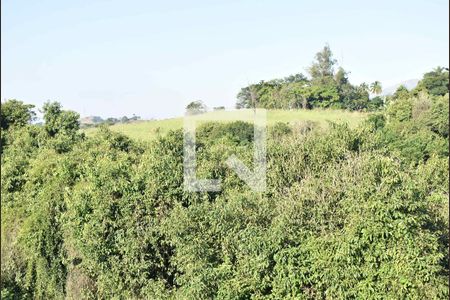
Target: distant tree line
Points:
(95, 121)
(199, 107)
(325, 88)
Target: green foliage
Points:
(322, 70)
(401, 93)
(323, 96)
(239, 132)
(279, 130)
(369, 222)
(326, 89)
(400, 110)
(15, 113)
(61, 125)
(341, 77)
(418, 127)
(376, 121)
(349, 213)
(435, 82)
(376, 88)
(58, 121)
(437, 117)
(196, 107)
(376, 103)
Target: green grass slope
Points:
(146, 130)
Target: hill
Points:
(146, 130)
(409, 84)
(90, 120)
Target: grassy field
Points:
(146, 130)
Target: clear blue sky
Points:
(114, 58)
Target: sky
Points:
(151, 58)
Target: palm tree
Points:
(376, 88)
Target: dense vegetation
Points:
(324, 88)
(348, 213)
(327, 88)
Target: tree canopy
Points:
(16, 113)
(435, 82)
(324, 89)
(196, 107)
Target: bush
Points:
(107, 217)
(238, 132)
(280, 129)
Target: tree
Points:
(435, 82)
(323, 96)
(16, 113)
(354, 97)
(294, 95)
(196, 107)
(262, 94)
(341, 77)
(437, 119)
(364, 87)
(244, 99)
(376, 103)
(253, 95)
(375, 88)
(296, 78)
(401, 93)
(112, 121)
(58, 121)
(325, 89)
(323, 68)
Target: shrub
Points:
(107, 217)
(280, 129)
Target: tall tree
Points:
(341, 77)
(322, 69)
